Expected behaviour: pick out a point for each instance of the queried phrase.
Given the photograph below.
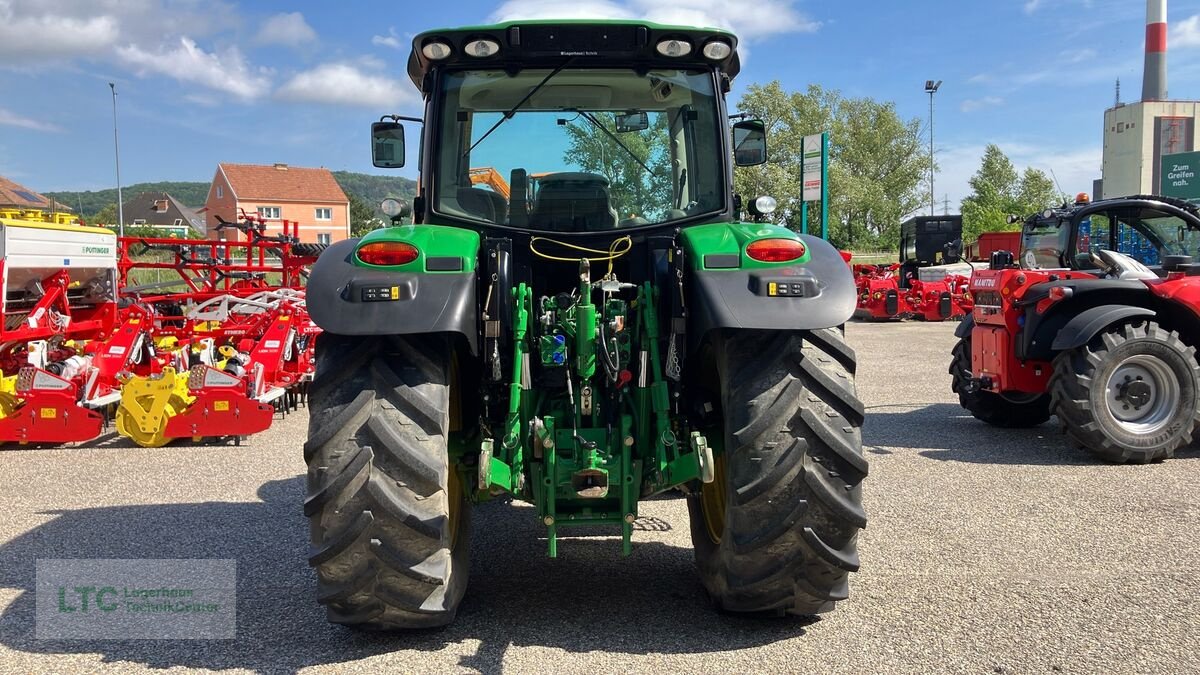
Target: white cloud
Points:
(391, 40)
(1186, 33)
(227, 72)
(1032, 6)
(289, 30)
(26, 36)
(971, 105)
(11, 119)
(344, 84)
(768, 17)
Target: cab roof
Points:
(1187, 211)
(547, 43)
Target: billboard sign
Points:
(1181, 175)
(812, 168)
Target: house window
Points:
(323, 237)
(160, 205)
(325, 213)
(139, 221)
(220, 192)
(178, 222)
(269, 212)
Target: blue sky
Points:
(202, 82)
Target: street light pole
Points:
(931, 88)
(117, 153)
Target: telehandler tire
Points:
(776, 532)
(1131, 395)
(388, 516)
(1000, 410)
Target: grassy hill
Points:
(369, 188)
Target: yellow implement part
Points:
(147, 403)
(8, 395)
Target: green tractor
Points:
(619, 332)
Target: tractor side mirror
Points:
(749, 143)
(387, 145)
(632, 121)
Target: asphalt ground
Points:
(988, 550)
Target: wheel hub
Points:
(1141, 394)
(1136, 393)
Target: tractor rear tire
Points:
(777, 531)
(388, 516)
(999, 410)
(309, 250)
(1099, 412)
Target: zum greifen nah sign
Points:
(1180, 175)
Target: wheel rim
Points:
(712, 501)
(1142, 394)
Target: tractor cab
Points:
(628, 133)
(1152, 231)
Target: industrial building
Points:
(1149, 146)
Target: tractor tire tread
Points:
(795, 469)
(378, 484)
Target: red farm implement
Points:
(59, 307)
(180, 338)
(228, 335)
(942, 300)
(878, 291)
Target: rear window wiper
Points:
(512, 111)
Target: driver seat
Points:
(573, 202)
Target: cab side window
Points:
(1092, 234)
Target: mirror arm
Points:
(397, 118)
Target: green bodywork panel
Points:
(732, 239)
(431, 241)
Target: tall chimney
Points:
(1154, 78)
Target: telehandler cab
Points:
(618, 332)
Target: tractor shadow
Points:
(588, 599)
(946, 432)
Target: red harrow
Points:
(213, 344)
(231, 349)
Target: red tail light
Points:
(386, 253)
(775, 250)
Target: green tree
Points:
(634, 190)
(876, 162)
(106, 216)
(362, 216)
(998, 191)
(1037, 192)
